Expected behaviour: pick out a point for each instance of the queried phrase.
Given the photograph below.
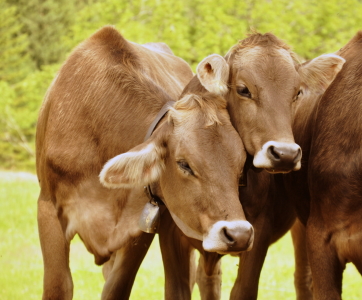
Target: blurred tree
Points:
(192, 28)
(46, 30)
(45, 22)
(138, 21)
(312, 27)
(15, 62)
(14, 147)
(216, 26)
(196, 28)
(19, 106)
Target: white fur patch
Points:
(135, 168)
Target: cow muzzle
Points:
(278, 157)
(229, 237)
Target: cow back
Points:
(101, 103)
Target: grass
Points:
(21, 262)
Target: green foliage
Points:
(11, 140)
(40, 33)
(45, 22)
(15, 62)
(192, 28)
(312, 27)
(19, 106)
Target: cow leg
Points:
(302, 275)
(326, 268)
(57, 282)
(251, 263)
(120, 272)
(108, 266)
(178, 260)
(208, 276)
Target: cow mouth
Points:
(277, 171)
(230, 253)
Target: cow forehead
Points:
(195, 139)
(202, 127)
(265, 64)
(251, 56)
(188, 122)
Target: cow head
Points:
(264, 82)
(194, 161)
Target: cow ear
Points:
(139, 166)
(318, 73)
(213, 73)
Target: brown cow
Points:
(264, 200)
(101, 104)
(331, 203)
(259, 118)
(264, 80)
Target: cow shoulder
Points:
(108, 43)
(82, 100)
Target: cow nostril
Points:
(229, 239)
(274, 153)
(298, 156)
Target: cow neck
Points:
(154, 199)
(244, 175)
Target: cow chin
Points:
(276, 171)
(187, 230)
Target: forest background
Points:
(37, 35)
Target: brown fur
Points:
(262, 40)
(327, 191)
(209, 103)
(265, 201)
(258, 206)
(94, 99)
(100, 105)
(266, 66)
(334, 228)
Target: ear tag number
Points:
(150, 218)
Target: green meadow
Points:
(21, 262)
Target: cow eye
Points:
(300, 92)
(184, 166)
(244, 91)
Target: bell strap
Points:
(158, 118)
(154, 199)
